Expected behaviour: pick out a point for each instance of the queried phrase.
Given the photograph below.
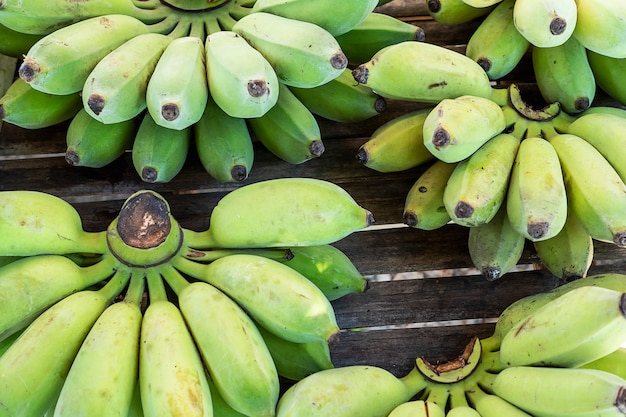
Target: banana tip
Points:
(360, 74)
(72, 158)
(28, 70)
(339, 60)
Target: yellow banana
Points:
(601, 27)
(545, 23)
(454, 12)
(16, 44)
(608, 73)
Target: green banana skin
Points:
(7, 342)
(454, 12)
(614, 362)
(341, 100)
(609, 73)
(220, 407)
(16, 44)
(490, 405)
(223, 144)
(563, 74)
(546, 23)
(59, 63)
(91, 143)
(398, 144)
(481, 3)
(23, 106)
(601, 28)
(302, 54)
(417, 408)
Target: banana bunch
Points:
(150, 315)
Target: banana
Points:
(546, 23)
(496, 44)
(457, 127)
(324, 214)
(377, 31)
(241, 81)
(177, 90)
(458, 405)
(454, 12)
(91, 143)
(490, 405)
(115, 90)
(594, 188)
(601, 27)
(398, 144)
(274, 295)
(328, 268)
(369, 392)
(418, 408)
(495, 247)
(478, 185)
(289, 129)
(597, 329)
(423, 207)
(563, 74)
(423, 72)
(608, 73)
(220, 406)
(540, 391)
(103, 376)
(34, 368)
(481, 3)
(344, 16)
(159, 153)
(341, 100)
(536, 200)
(135, 409)
(16, 44)
(614, 362)
(223, 144)
(59, 63)
(23, 106)
(302, 53)
(34, 222)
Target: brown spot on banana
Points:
(339, 60)
(170, 111)
(558, 25)
(257, 88)
(96, 103)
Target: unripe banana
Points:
(242, 82)
(418, 408)
(481, 3)
(609, 73)
(419, 71)
(496, 44)
(477, 187)
(614, 362)
(16, 44)
(398, 144)
(302, 53)
(601, 27)
(454, 12)
(115, 90)
(563, 74)
(60, 62)
(91, 143)
(594, 189)
(344, 16)
(159, 153)
(456, 127)
(536, 201)
(490, 405)
(23, 106)
(177, 90)
(423, 207)
(220, 407)
(223, 144)
(545, 23)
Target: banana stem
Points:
(156, 288)
(500, 96)
(181, 29)
(174, 279)
(92, 242)
(438, 394)
(166, 25)
(490, 344)
(188, 267)
(199, 240)
(457, 396)
(226, 21)
(116, 284)
(136, 288)
(486, 381)
(414, 382)
(100, 270)
(211, 25)
(493, 359)
(238, 11)
(213, 255)
(562, 121)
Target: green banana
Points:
(341, 100)
(91, 143)
(424, 72)
(601, 27)
(223, 144)
(478, 185)
(344, 16)
(608, 73)
(398, 144)
(490, 405)
(563, 74)
(115, 90)
(377, 31)
(457, 127)
(34, 368)
(221, 407)
(23, 106)
(495, 247)
(594, 189)
(481, 3)
(7, 342)
(59, 63)
(16, 44)
(536, 200)
(241, 81)
(289, 129)
(546, 23)
(369, 392)
(418, 408)
(454, 12)
(540, 391)
(302, 53)
(34, 222)
(159, 153)
(496, 44)
(423, 207)
(324, 214)
(565, 340)
(614, 362)
(177, 90)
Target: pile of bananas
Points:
(247, 301)
(557, 353)
(157, 76)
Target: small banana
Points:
(418, 408)
(601, 27)
(16, 44)
(546, 23)
(608, 73)
(454, 12)
(241, 81)
(302, 53)
(490, 405)
(177, 90)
